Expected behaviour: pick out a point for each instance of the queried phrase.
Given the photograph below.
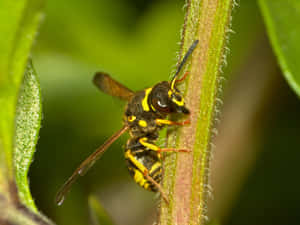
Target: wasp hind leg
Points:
(157, 185)
(142, 176)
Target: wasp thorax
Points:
(166, 100)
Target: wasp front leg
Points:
(151, 146)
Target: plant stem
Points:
(186, 175)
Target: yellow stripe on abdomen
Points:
(139, 178)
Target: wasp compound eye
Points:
(160, 105)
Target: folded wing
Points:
(112, 87)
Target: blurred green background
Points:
(137, 43)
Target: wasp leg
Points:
(141, 168)
(154, 147)
(183, 77)
(157, 185)
(169, 122)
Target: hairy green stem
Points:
(186, 174)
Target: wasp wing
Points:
(86, 164)
(112, 87)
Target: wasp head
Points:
(166, 100)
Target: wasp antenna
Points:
(189, 52)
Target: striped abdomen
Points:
(141, 160)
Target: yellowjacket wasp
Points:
(145, 115)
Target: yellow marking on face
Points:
(161, 122)
(154, 167)
(179, 103)
(143, 123)
(135, 162)
(144, 142)
(145, 104)
(170, 93)
(131, 118)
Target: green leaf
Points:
(18, 26)
(99, 214)
(282, 19)
(28, 123)
(18, 136)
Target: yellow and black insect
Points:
(145, 115)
